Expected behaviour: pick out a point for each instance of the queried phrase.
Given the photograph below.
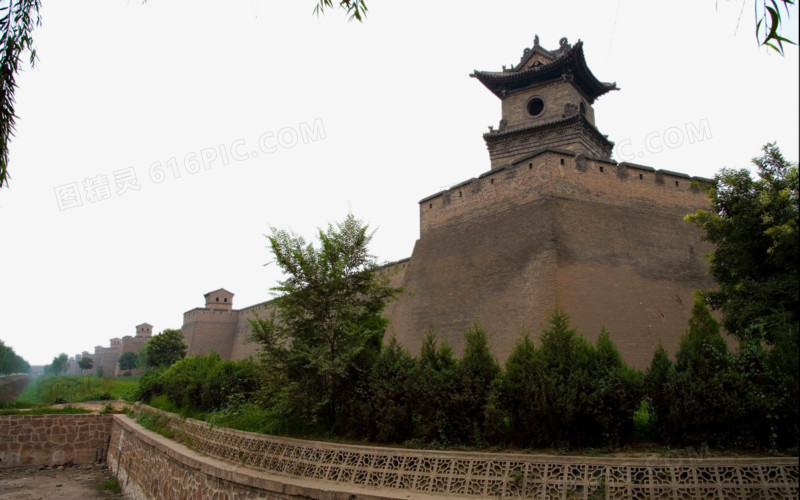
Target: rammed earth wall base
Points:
(53, 439)
(229, 463)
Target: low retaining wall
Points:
(53, 439)
(149, 466)
(236, 462)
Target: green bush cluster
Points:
(712, 397)
(560, 392)
(566, 392)
(199, 384)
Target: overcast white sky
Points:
(291, 120)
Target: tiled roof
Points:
(567, 61)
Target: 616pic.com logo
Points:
(658, 140)
(102, 186)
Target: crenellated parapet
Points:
(567, 175)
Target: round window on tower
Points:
(535, 106)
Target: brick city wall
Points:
(228, 462)
(605, 242)
(53, 439)
(623, 185)
(206, 330)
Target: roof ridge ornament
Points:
(535, 40)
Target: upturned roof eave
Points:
(571, 62)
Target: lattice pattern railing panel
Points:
(493, 475)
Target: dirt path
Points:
(45, 483)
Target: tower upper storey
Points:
(547, 102)
(144, 330)
(219, 300)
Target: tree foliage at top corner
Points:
(768, 24)
(753, 223)
(17, 21)
(355, 9)
(327, 324)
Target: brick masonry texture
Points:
(53, 439)
(223, 463)
(605, 242)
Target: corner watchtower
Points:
(547, 103)
(219, 300)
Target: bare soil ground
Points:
(77, 481)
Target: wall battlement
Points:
(562, 174)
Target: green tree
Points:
(700, 402)
(326, 328)
(516, 393)
(128, 361)
(85, 363)
(655, 380)
(617, 392)
(10, 362)
(564, 385)
(58, 366)
(434, 386)
(165, 348)
(753, 224)
(387, 406)
(17, 21)
(476, 370)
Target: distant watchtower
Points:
(546, 103)
(144, 330)
(219, 300)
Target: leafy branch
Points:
(768, 21)
(17, 21)
(356, 9)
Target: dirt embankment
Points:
(11, 386)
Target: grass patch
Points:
(111, 486)
(154, 422)
(67, 410)
(245, 417)
(49, 389)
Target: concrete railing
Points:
(432, 473)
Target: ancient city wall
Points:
(228, 462)
(605, 242)
(206, 330)
(53, 439)
(242, 347)
(110, 359)
(564, 175)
